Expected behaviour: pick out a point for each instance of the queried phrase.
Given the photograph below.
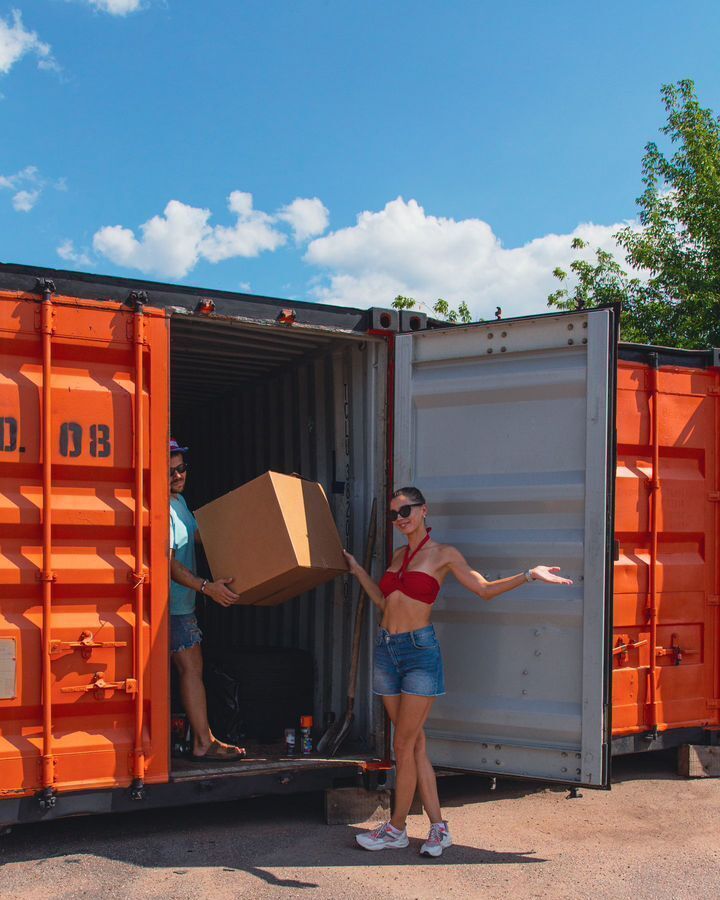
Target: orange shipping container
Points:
(666, 615)
(85, 698)
(83, 498)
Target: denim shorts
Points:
(184, 632)
(408, 663)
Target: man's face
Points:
(178, 475)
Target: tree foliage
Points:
(441, 308)
(676, 249)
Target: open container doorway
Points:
(247, 399)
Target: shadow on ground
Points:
(251, 836)
(266, 833)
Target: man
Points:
(185, 636)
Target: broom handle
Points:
(360, 611)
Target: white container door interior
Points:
(505, 427)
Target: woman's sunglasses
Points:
(178, 470)
(403, 512)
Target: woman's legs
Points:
(427, 782)
(408, 713)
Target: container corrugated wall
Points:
(324, 418)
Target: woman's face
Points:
(414, 516)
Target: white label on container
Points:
(8, 668)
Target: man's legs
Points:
(189, 664)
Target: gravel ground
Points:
(653, 836)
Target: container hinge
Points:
(47, 798)
(714, 390)
(714, 600)
(137, 578)
(98, 685)
(713, 704)
(45, 576)
(136, 300)
(714, 496)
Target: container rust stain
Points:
(75, 539)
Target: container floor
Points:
(260, 759)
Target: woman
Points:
(408, 667)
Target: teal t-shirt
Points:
(182, 540)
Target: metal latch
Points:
(674, 650)
(86, 644)
(98, 684)
(621, 649)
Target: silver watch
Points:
(528, 575)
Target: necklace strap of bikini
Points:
(409, 556)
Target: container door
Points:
(506, 429)
(71, 680)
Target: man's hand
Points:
(220, 593)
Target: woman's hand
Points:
(353, 564)
(547, 574)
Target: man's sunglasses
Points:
(403, 512)
(178, 470)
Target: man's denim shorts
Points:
(184, 632)
(408, 663)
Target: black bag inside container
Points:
(223, 704)
(262, 691)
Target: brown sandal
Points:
(218, 752)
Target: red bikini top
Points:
(418, 585)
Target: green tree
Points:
(677, 245)
(441, 308)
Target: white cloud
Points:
(251, 234)
(308, 217)
(172, 244)
(29, 173)
(402, 250)
(116, 7)
(17, 41)
(24, 201)
(27, 185)
(67, 251)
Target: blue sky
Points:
(334, 150)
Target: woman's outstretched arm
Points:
(478, 584)
(371, 589)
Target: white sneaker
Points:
(438, 839)
(383, 838)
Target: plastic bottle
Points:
(306, 723)
(290, 742)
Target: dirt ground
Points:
(653, 836)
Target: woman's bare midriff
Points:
(402, 613)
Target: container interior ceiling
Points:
(246, 399)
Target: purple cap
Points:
(176, 448)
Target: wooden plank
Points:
(697, 761)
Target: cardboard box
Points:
(275, 536)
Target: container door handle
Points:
(86, 644)
(98, 684)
